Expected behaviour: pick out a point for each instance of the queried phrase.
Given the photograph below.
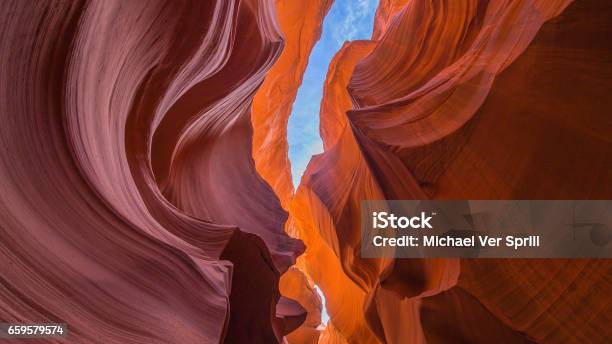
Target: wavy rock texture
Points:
(145, 192)
(130, 205)
(300, 23)
(453, 100)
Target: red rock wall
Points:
(462, 100)
(300, 23)
(130, 205)
(145, 191)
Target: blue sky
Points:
(347, 20)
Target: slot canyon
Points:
(146, 191)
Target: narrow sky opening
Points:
(324, 314)
(347, 20)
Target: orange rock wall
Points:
(462, 99)
(300, 23)
(145, 190)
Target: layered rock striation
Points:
(145, 190)
(131, 207)
(462, 100)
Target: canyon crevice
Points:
(146, 194)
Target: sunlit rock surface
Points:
(462, 100)
(300, 23)
(145, 190)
